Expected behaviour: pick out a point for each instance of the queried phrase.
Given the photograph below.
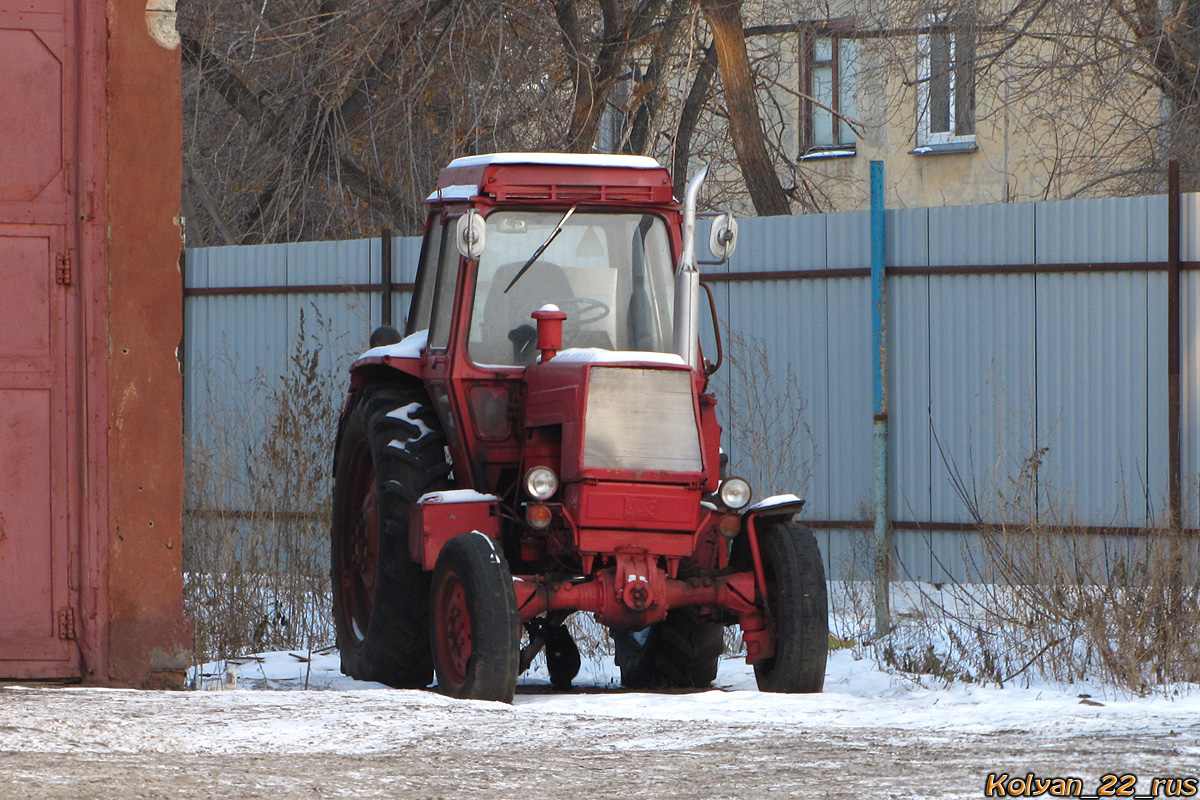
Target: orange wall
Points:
(148, 638)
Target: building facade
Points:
(965, 103)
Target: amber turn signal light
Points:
(729, 525)
(538, 516)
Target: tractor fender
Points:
(771, 508)
(389, 363)
(780, 507)
(437, 517)
(404, 356)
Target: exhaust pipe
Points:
(686, 341)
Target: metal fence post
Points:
(879, 357)
(385, 277)
(1174, 386)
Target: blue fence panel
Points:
(984, 369)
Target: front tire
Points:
(475, 625)
(799, 610)
(680, 652)
(390, 451)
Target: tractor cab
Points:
(595, 237)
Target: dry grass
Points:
(256, 553)
(763, 416)
(1049, 602)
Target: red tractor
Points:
(543, 440)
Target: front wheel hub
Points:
(452, 634)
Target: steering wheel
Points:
(582, 310)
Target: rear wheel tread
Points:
(682, 651)
(395, 648)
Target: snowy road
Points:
(868, 735)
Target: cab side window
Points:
(422, 301)
(443, 291)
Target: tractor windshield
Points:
(610, 273)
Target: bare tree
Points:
(598, 43)
(330, 118)
(689, 116)
(652, 83)
(745, 127)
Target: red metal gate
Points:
(40, 427)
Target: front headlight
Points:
(734, 493)
(541, 483)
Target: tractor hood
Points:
(624, 416)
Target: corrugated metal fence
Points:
(1025, 341)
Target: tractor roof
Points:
(562, 177)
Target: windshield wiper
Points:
(557, 230)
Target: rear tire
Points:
(476, 630)
(799, 609)
(390, 451)
(680, 652)
(562, 656)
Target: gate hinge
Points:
(62, 273)
(66, 623)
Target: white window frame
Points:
(925, 135)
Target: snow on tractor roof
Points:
(562, 159)
(564, 177)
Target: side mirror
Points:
(471, 235)
(722, 238)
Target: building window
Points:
(828, 80)
(946, 85)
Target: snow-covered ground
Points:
(858, 694)
(294, 726)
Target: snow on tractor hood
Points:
(413, 345)
(596, 355)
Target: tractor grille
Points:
(577, 194)
(641, 419)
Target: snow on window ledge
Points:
(838, 152)
(965, 146)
